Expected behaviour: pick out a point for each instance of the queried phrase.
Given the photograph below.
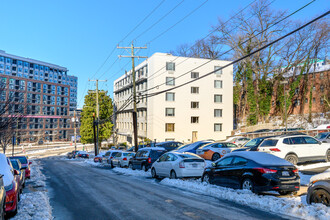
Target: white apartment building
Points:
(200, 110)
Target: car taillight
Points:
(124, 158)
(265, 170)
(79, 155)
(111, 157)
(328, 126)
(275, 149)
(149, 160)
(87, 155)
(181, 164)
(295, 171)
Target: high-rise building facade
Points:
(45, 95)
(200, 110)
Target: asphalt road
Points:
(79, 191)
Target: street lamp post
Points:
(285, 82)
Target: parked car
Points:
(216, 150)
(25, 165)
(323, 137)
(16, 164)
(11, 186)
(296, 148)
(109, 155)
(82, 154)
(145, 157)
(99, 157)
(319, 190)
(191, 148)
(238, 140)
(254, 171)
(121, 159)
(178, 165)
(252, 145)
(72, 154)
(2, 198)
(169, 145)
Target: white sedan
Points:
(178, 165)
(121, 159)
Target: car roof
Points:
(152, 148)
(260, 157)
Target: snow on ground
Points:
(312, 166)
(130, 172)
(289, 206)
(34, 204)
(304, 179)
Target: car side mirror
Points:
(214, 165)
(30, 163)
(16, 172)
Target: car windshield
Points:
(186, 156)
(253, 142)
(23, 160)
(321, 135)
(15, 164)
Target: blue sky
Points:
(80, 34)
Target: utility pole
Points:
(134, 90)
(286, 114)
(75, 130)
(97, 113)
(95, 147)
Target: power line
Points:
(157, 86)
(242, 58)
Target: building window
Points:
(314, 88)
(169, 112)
(313, 100)
(217, 112)
(194, 104)
(322, 88)
(217, 127)
(169, 127)
(194, 120)
(170, 66)
(218, 98)
(194, 75)
(170, 96)
(218, 84)
(194, 90)
(170, 81)
(321, 101)
(218, 71)
(306, 100)
(321, 75)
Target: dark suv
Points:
(145, 157)
(169, 145)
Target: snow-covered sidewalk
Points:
(34, 202)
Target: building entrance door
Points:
(194, 136)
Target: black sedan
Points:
(2, 198)
(254, 171)
(319, 192)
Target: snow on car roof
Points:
(82, 152)
(5, 170)
(152, 148)
(260, 157)
(322, 176)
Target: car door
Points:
(299, 147)
(158, 165)
(220, 172)
(235, 172)
(317, 150)
(167, 164)
(116, 159)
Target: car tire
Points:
(206, 178)
(173, 175)
(247, 184)
(130, 165)
(215, 157)
(143, 167)
(153, 173)
(284, 193)
(320, 196)
(292, 159)
(327, 156)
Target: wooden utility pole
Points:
(97, 113)
(134, 113)
(75, 130)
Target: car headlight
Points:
(9, 187)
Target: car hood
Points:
(5, 170)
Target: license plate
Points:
(194, 165)
(285, 173)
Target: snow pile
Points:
(313, 166)
(322, 176)
(91, 162)
(34, 204)
(130, 172)
(289, 206)
(304, 179)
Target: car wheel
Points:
(320, 196)
(215, 156)
(327, 156)
(172, 175)
(283, 193)
(292, 158)
(143, 167)
(130, 165)
(248, 184)
(153, 173)
(206, 178)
